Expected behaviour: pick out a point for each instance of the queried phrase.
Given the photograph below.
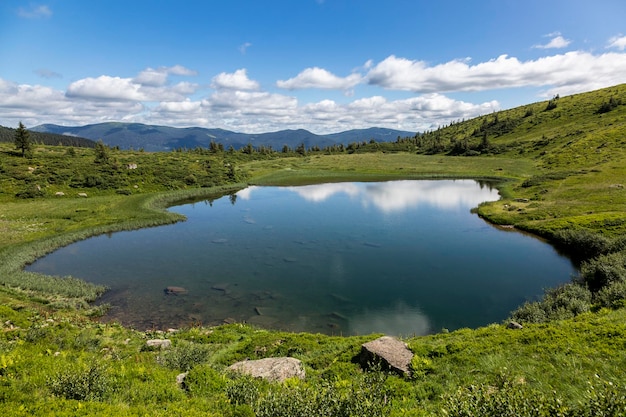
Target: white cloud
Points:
(150, 85)
(106, 88)
(618, 42)
(237, 80)
(576, 71)
(244, 47)
(159, 77)
(184, 107)
(34, 12)
(252, 102)
(35, 104)
(320, 78)
(557, 42)
(239, 103)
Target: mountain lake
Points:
(399, 257)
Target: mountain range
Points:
(164, 138)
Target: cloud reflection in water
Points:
(395, 196)
(394, 321)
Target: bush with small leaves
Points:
(559, 303)
(603, 270)
(244, 390)
(88, 384)
(612, 295)
(185, 355)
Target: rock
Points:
(82, 194)
(271, 369)
(159, 343)
(59, 193)
(171, 290)
(180, 379)
(391, 353)
(514, 325)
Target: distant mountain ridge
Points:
(7, 134)
(165, 138)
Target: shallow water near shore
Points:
(398, 257)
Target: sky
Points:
(327, 66)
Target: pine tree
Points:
(22, 139)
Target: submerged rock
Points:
(172, 290)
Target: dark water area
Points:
(398, 257)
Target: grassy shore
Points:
(561, 173)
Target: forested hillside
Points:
(7, 134)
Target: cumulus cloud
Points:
(234, 101)
(577, 70)
(34, 12)
(320, 78)
(106, 88)
(237, 80)
(618, 42)
(557, 42)
(36, 104)
(149, 85)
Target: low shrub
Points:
(599, 272)
(559, 303)
(612, 295)
(185, 355)
(519, 400)
(88, 384)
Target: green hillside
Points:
(560, 166)
(7, 135)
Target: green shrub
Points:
(509, 401)
(559, 303)
(581, 243)
(203, 380)
(244, 390)
(612, 295)
(603, 270)
(420, 367)
(185, 355)
(88, 384)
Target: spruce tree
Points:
(22, 139)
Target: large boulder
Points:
(159, 343)
(389, 353)
(271, 369)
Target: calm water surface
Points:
(399, 257)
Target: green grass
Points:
(561, 173)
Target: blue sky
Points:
(323, 65)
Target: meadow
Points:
(561, 170)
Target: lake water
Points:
(399, 257)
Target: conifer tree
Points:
(22, 139)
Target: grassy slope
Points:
(569, 166)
